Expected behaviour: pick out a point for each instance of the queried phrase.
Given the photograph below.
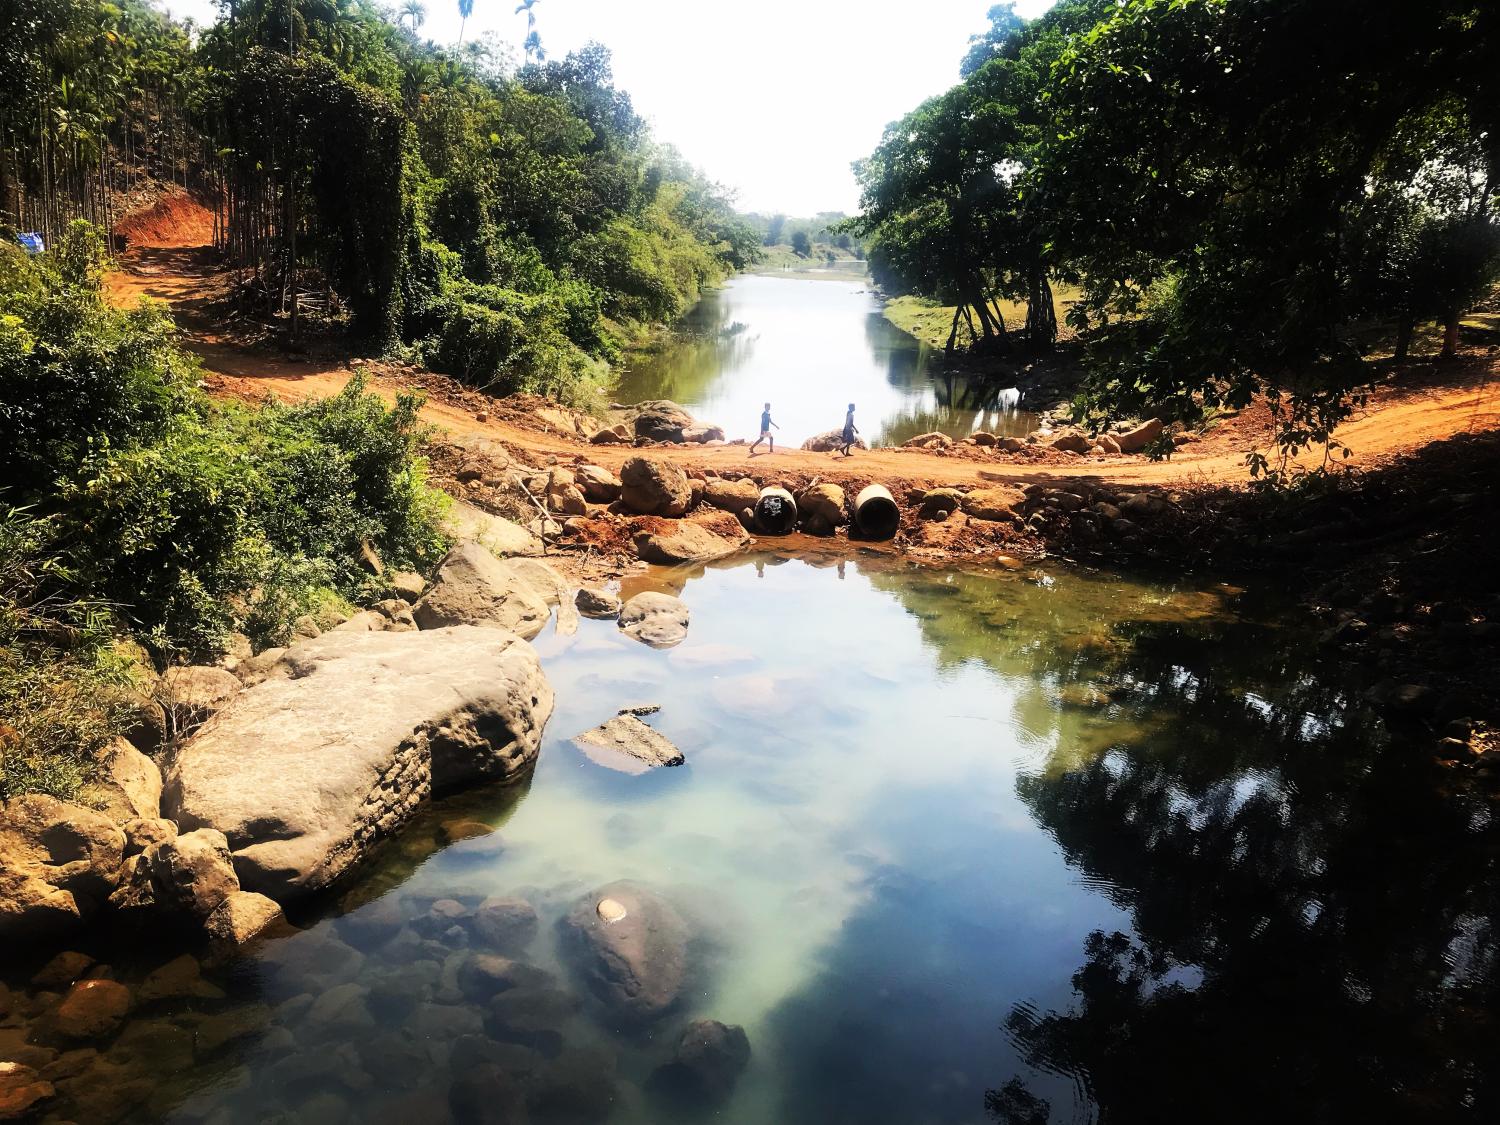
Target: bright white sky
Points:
(773, 99)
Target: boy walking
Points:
(849, 431)
(765, 429)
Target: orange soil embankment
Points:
(175, 220)
(1460, 397)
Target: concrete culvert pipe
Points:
(875, 513)
(776, 511)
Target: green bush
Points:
(194, 518)
(63, 695)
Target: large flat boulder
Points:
(311, 768)
(473, 587)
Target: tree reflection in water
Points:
(1314, 924)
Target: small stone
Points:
(507, 924)
(440, 917)
(242, 917)
(707, 1063)
(610, 910)
(22, 1090)
(597, 604)
(93, 1009)
(142, 834)
(176, 979)
(626, 744)
(62, 970)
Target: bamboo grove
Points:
(508, 225)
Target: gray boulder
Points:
(659, 620)
(631, 948)
(654, 488)
(308, 772)
(499, 536)
(473, 587)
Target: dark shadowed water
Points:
(954, 847)
(811, 348)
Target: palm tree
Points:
(413, 13)
(533, 43)
(465, 10)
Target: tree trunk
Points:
(1404, 331)
(1450, 335)
(952, 334)
(1041, 317)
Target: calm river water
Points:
(811, 347)
(954, 846)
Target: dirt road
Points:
(1425, 403)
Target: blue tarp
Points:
(32, 241)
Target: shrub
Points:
(178, 510)
(62, 692)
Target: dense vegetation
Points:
(131, 502)
(508, 226)
(826, 235)
(1240, 186)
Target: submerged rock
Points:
(706, 1065)
(506, 924)
(626, 744)
(637, 964)
(92, 1009)
(658, 620)
(22, 1091)
(311, 771)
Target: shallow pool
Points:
(951, 846)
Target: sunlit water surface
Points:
(955, 847)
(811, 347)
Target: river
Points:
(811, 347)
(953, 846)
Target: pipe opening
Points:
(776, 511)
(876, 514)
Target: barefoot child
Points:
(765, 429)
(849, 430)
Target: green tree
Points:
(801, 243)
